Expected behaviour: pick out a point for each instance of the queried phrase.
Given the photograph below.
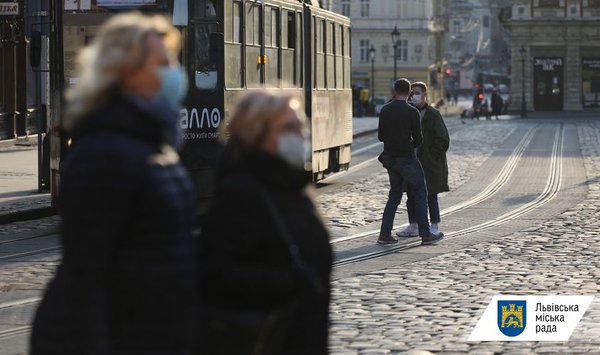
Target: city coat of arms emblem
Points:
(512, 317)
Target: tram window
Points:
(272, 28)
(237, 22)
(205, 70)
(204, 9)
(288, 34)
(253, 14)
(329, 38)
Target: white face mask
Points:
(292, 148)
(417, 99)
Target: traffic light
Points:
(448, 72)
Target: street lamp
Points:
(523, 52)
(395, 38)
(372, 56)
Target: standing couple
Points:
(415, 141)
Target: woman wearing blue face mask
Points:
(265, 258)
(126, 283)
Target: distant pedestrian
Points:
(126, 282)
(265, 258)
(455, 95)
(432, 156)
(497, 103)
(355, 100)
(400, 132)
(448, 97)
(477, 102)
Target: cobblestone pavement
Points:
(433, 305)
(362, 201)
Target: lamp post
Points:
(395, 38)
(372, 56)
(523, 52)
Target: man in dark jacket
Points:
(432, 155)
(400, 132)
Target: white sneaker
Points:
(411, 231)
(434, 229)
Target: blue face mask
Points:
(173, 85)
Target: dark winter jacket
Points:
(126, 282)
(432, 154)
(497, 103)
(245, 262)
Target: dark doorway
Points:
(548, 84)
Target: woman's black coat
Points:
(245, 263)
(126, 283)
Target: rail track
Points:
(500, 180)
(550, 191)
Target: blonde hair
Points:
(120, 45)
(254, 114)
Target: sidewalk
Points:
(19, 199)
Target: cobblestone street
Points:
(426, 298)
(433, 305)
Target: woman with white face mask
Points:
(264, 252)
(126, 282)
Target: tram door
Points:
(13, 75)
(548, 84)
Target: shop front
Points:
(590, 75)
(548, 83)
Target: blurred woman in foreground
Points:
(265, 256)
(126, 282)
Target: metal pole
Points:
(523, 104)
(395, 61)
(373, 82)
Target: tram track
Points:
(501, 179)
(52, 232)
(551, 190)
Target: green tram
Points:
(229, 47)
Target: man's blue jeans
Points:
(405, 170)
(432, 203)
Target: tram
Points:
(229, 47)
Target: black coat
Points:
(126, 283)
(432, 154)
(245, 263)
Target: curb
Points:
(26, 215)
(28, 141)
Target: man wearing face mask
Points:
(264, 249)
(432, 155)
(127, 280)
(400, 132)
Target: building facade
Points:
(468, 43)
(418, 50)
(555, 54)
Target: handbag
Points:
(250, 331)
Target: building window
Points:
(402, 50)
(594, 3)
(456, 27)
(549, 3)
(346, 8)
(365, 45)
(486, 21)
(521, 10)
(365, 7)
